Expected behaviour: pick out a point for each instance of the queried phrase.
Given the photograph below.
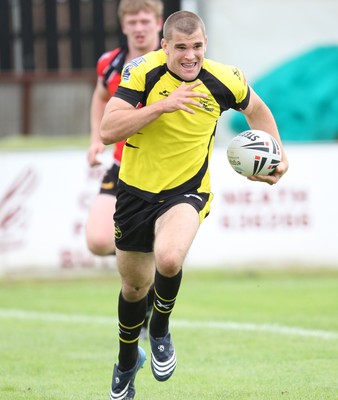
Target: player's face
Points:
(185, 54)
(142, 30)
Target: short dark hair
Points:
(185, 22)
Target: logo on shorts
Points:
(118, 232)
(194, 195)
(107, 185)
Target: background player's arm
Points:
(260, 117)
(98, 103)
(121, 120)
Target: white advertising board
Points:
(44, 202)
(45, 198)
(288, 224)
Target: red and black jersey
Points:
(109, 68)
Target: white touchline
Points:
(226, 325)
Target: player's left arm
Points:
(259, 116)
(99, 101)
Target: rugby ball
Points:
(254, 152)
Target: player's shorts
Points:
(135, 218)
(110, 180)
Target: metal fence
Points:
(47, 43)
(54, 35)
(59, 34)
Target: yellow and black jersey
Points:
(171, 155)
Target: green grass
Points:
(62, 345)
(38, 142)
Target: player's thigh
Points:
(101, 214)
(175, 231)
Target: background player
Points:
(141, 22)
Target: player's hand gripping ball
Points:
(254, 152)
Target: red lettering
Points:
(77, 259)
(78, 228)
(266, 221)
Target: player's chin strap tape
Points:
(116, 65)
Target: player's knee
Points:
(133, 293)
(169, 264)
(100, 247)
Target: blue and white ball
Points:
(254, 152)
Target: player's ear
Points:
(164, 46)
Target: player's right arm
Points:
(98, 103)
(122, 120)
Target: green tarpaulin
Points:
(303, 96)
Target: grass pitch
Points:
(43, 142)
(238, 336)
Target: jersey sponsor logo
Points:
(240, 76)
(164, 93)
(137, 61)
(130, 66)
(203, 102)
(205, 105)
(126, 72)
(236, 73)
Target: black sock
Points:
(166, 290)
(150, 301)
(150, 297)
(131, 318)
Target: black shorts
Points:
(135, 218)
(110, 180)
